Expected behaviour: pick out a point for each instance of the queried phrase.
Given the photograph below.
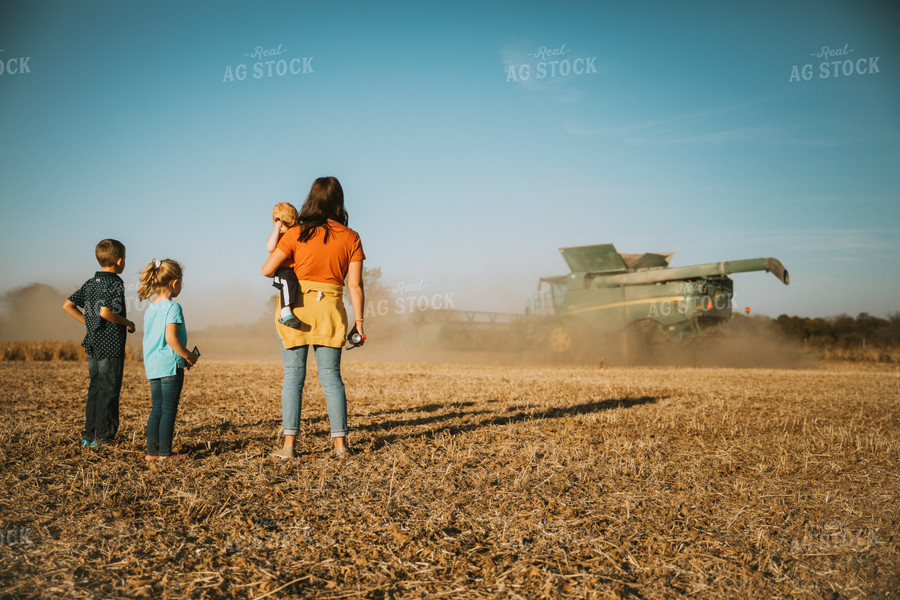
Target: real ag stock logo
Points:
(552, 63)
(409, 298)
(16, 65)
(836, 62)
(269, 62)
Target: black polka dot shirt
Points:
(103, 339)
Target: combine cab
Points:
(607, 292)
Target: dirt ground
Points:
(468, 481)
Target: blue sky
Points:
(683, 132)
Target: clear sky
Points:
(472, 140)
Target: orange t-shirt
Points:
(315, 260)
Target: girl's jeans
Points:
(165, 393)
(329, 363)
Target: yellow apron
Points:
(323, 319)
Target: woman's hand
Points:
(357, 294)
(360, 331)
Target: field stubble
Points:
(469, 481)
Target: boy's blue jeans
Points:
(101, 413)
(329, 364)
(165, 393)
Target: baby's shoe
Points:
(290, 321)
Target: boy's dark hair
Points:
(109, 251)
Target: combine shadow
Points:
(433, 407)
(226, 426)
(391, 424)
(517, 417)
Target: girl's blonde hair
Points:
(158, 275)
(286, 213)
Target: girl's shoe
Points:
(285, 453)
(85, 443)
(149, 457)
(342, 451)
(173, 457)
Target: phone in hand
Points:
(195, 351)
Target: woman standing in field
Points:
(325, 253)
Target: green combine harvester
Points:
(636, 298)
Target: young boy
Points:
(103, 300)
(284, 216)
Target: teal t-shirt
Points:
(159, 358)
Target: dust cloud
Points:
(742, 342)
(34, 313)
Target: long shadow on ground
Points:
(381, 429)
(518, 417)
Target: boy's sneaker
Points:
(85, 443)
(290, 321)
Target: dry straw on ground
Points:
(469, 482)
(51, 350)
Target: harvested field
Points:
(469, 481)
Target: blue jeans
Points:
(165, 393)
(101, 413)
(329, 363)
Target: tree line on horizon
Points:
(843, 331)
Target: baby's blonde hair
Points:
(286, 213)
(158, 275)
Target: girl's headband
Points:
(156, 263)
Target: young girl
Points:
(165, 354)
